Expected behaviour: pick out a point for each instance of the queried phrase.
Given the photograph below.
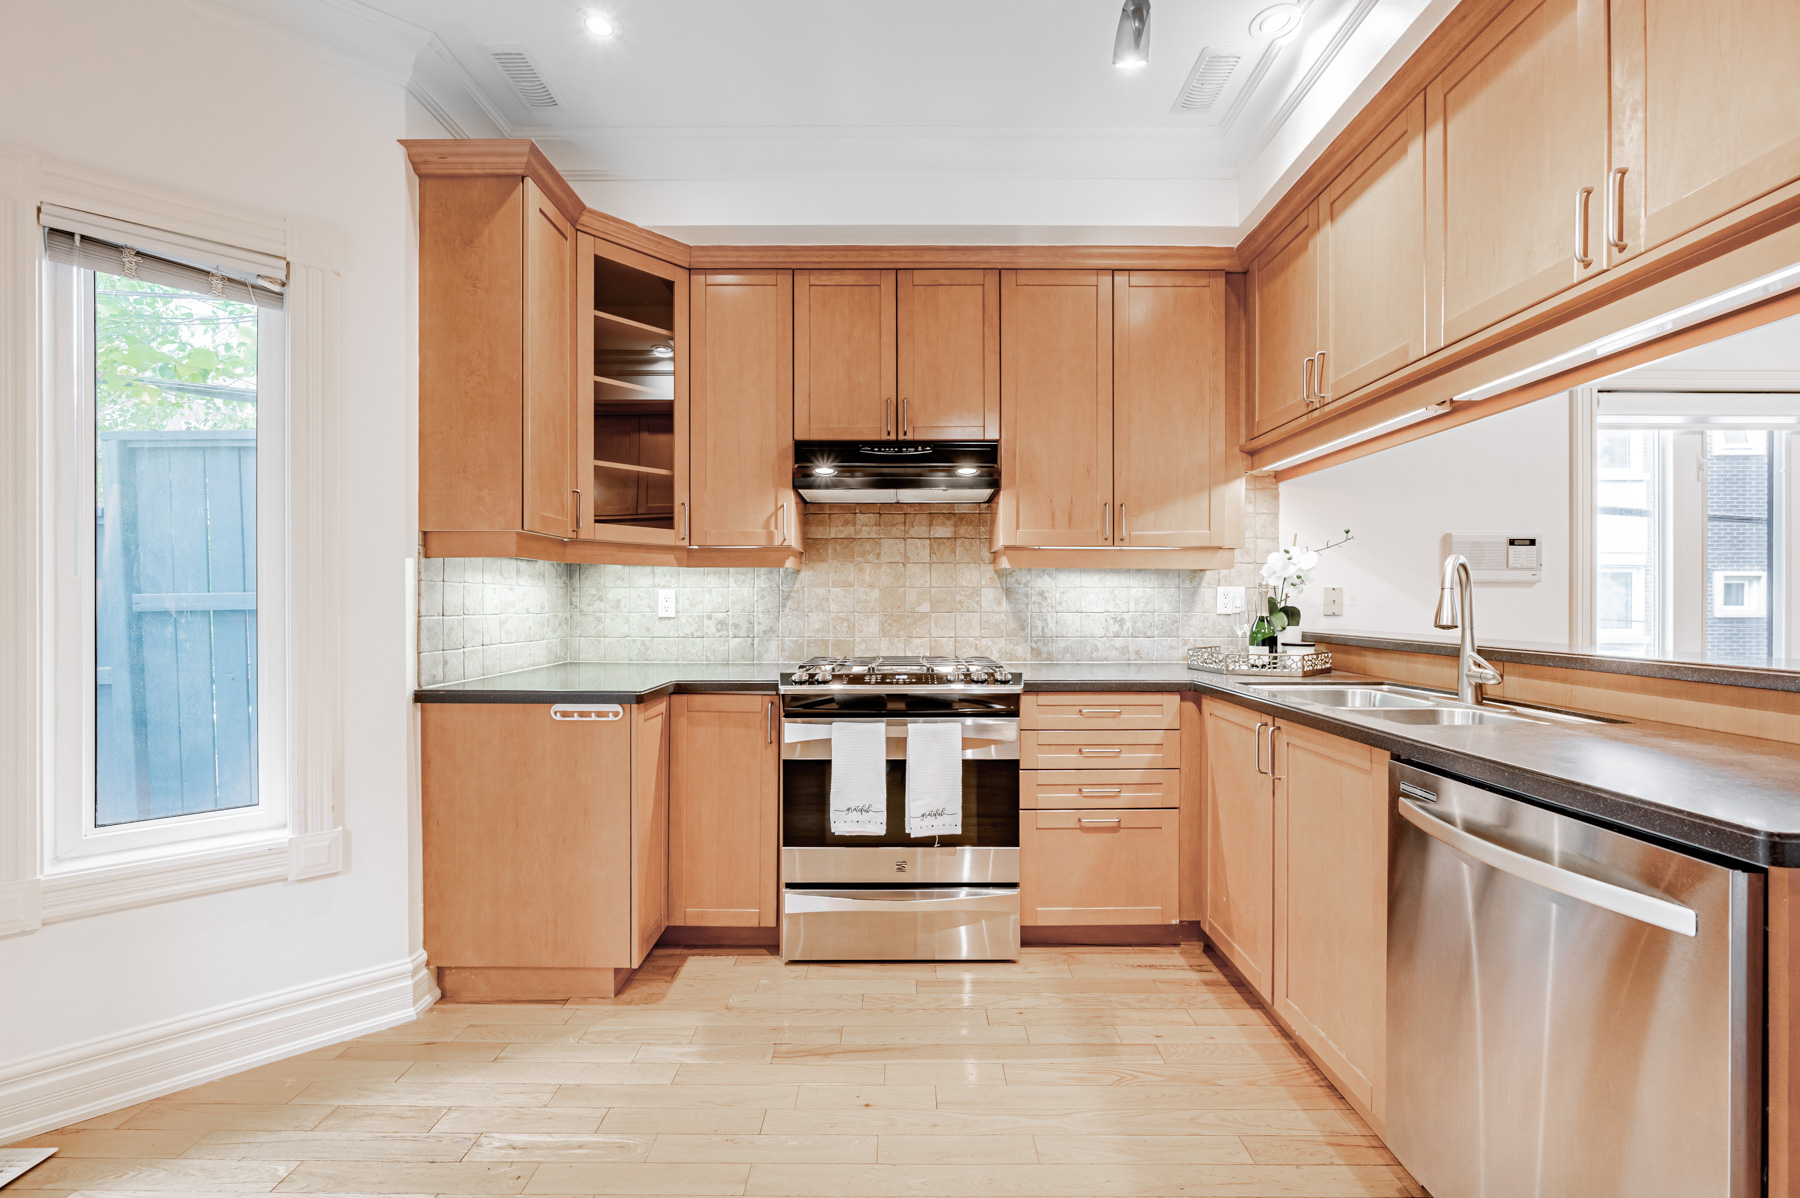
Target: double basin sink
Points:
(1413, 705)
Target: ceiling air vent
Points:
(517, 66)
(1212, 71)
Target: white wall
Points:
(1504, 474)
(257, 121)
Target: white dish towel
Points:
(934, 778)
(859, 778)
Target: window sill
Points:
(117, 887)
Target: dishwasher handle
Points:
(1642, 907)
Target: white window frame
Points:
(52, 864)
(1745, 610)
(75, 841)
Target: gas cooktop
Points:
(901, 672)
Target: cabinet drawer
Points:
(1048, 789)
(1098, 867)
(1088, 712)
(1052, 749)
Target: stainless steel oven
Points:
(889, 895)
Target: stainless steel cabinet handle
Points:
(887, 416)
(575, 711)
(769, 724)
(1644, 908)
(1615, 210)
(1306, 381)
(905, 419)
(1113, 820)
(684, 524)
(1087, 752)
(1273, 729)
(1102, 711)
(1259, 732)
(1100, 790)
(1319, 377)
(577, 522)
(781, 527)
(1106, 515)
(1582, 256)
(1123, 535)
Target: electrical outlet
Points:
(1334, 602)
(1231, 601)
(665, 604)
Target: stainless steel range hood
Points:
(896, 471)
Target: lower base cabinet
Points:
(1099, 866)
(545, 846)
(724, 810)
(1296, 850)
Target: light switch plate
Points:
(1231, 601)
(1334, 602)
(665, 604)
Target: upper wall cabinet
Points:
(1118, 412)
(1284, 325)
(632, 404)
(743, 410)
(844, 328)
(1705, 98)
(496, 351)
(1371, 220)
(907, 355)
(1056, 412)
(949, 354)
(1515, 154)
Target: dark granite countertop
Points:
(1735, 797)
(1761, 673)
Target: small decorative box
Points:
(1218, 659)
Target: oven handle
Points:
(799, 902)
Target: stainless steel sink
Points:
(1414, 705)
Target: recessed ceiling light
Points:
(598, 23)
(1276, 21)
(1131, 44)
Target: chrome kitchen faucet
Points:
(1456, 609)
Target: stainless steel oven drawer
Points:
(925, 865)
(947, 923)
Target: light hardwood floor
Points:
(1074, 1072)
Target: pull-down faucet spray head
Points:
(1446, 616)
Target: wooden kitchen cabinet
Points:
(1056, 410)
(1089, 711)
(1284, 325)
(1098, 866)
(1129, 749)
(1704, 103)
(1177, 476)
(949, 354)
(1516, 162)
(497, 423)
(844, 355)
(632, 439)
(1118, 411)
(544, 847)
(1371, 254)
(1331, 870)
(1240, 842)
(724, 810)
(742, 356)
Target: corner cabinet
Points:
(545, 846)
(1296, 845)
(1118, 416)
(496, 352)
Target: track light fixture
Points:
(1131, 45)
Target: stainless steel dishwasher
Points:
(1571, 1011)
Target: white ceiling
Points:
(918, 121)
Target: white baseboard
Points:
(71, 1084)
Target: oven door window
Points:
(990, 788)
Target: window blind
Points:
(93, 253)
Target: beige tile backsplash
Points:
(907, 578)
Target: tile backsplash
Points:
(906, 578)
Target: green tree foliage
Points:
(170, 359)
